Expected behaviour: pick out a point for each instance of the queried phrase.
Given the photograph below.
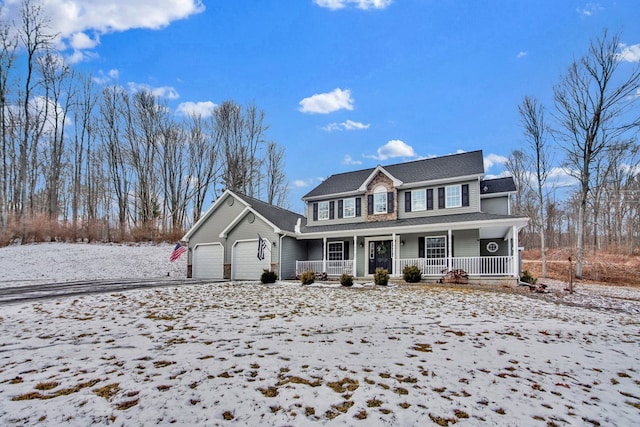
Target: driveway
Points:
(84, 287)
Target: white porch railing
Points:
(333, 268)
(473, 266)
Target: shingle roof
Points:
(435, 168)
(280, 217)
(498, 185)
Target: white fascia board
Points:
(224, 233)
(396, 182)
(519, 222)
(455, 179)
(492, 195)
(210, 211)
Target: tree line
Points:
(590, 135)
(82, 161)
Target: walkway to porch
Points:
(430, 267)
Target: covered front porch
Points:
(480, 252)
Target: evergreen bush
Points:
(381, 277)
(308, 277)
(346, 279)
(268, 276)
(411, 274)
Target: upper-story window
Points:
(323, 211)
(349, 208)
(453, 197)
(418, 200)
(380, 200)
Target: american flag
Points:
(261, 247)
(177, 251)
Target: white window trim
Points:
(341, 250)
(344, 208)
(446, 196)
(413, 206)
(320, 209)
(378, 192)
(426, 248)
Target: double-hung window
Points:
(323, 211)
(435, 247)
(453, 196)
(349, 208)
(336, 251)
(380, 200)
(418, 200)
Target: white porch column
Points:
(394, 265)
(324, 254)
(354, 273)
(449, 250)
(514, 251)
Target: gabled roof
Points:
(418, 171)
(497, 186)
(282, 218)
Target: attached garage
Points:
(208, 261)
(245, 262)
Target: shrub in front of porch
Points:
(411, 274)
(308, 277)
(381, 277)
(268, 276)
(346, 279)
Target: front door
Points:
(380, 256)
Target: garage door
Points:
(245, 262)
(208, 261)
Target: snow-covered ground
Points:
(287, 354)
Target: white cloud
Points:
(167, 92)
(349, 161)
(589, 9)
(351, 125)
(521, 54)
(304, 183)
(324, 103)
(392, 149)
(73, 20)
(103, 78)
(360, 4)
(203, 109)
(346, 125)
(629, 53)
(494, 159)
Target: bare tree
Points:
(535, 131)
(8, 46)
(111, 128)
(276, 180)
(34, 38)
(594, 109)
(203, 167)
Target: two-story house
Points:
(437, 213)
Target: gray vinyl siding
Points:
(209, 231)
(474, 202)
(246, 230)
(292, 250)
(495, 205)
(465, 243)
(336, 220)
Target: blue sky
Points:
(347, 84)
